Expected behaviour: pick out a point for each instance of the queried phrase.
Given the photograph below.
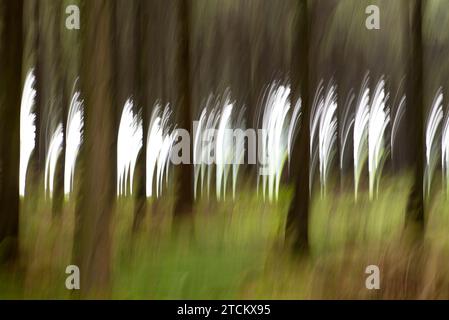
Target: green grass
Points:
(236, 250)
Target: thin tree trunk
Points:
(141, 198)
(298, 216)
(184, 200)
(59, 104)
(126, 75)
(415, 107)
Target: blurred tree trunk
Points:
(30, 52)
(50, 91)
(125, 54)
(415, 113)
(268, 31)
(126, 79)
(184, 196)
(298, 214)
(10, 96)
(141, 198)
(62, 102)
(161, 76)
(236, 51)
(69, 70)
(95, 203)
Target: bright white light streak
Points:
(275, 125)
(378, 121)
(208, 161)
(223, 149)
(327, 135)
(347, 124)
(238, 151)
(216, 147)
(163, 160)
(54, 150)
(324, 127)
(432, 146)
(445, 151)
(315, 116)
(27, 128)
(197, 152)
(294, 128)
(129, 143)
(400, 111)
(160, 139)
(397, 115)
(361, 133)
(74, 138)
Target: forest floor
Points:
(236, 250)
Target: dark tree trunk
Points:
(10, 96)
(127, 81)
(141, 198)
(125, 53)
(95, 203)
(415, 114)
(298, 215)
(184, 196)
(62, 102)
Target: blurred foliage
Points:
(236, 250)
